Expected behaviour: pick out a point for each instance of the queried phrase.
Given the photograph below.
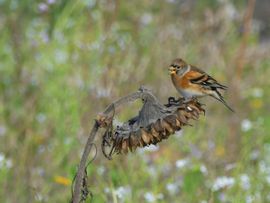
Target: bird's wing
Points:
(197, 76)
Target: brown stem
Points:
(80, 174)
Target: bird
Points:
(192, 82)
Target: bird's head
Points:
(177, 66)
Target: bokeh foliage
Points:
(62, 62)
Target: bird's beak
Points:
(172, 70)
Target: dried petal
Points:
(182, 117)
(171, 119)
(178, 123)
(158, 127)
(154, 132)
(145, 136)
(167, 126)
(125, 146)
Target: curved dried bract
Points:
(154, 123)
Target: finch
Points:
(192, 82)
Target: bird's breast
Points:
(180, 82)
(185, 88)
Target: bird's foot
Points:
(173, 101)
(189, 99)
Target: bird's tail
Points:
(220, 98)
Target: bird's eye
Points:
(177, 67)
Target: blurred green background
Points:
(62, 62)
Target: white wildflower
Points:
(107, 190)
(257, 92)
(41, 117)
(149, 197)
(246, 125)
(51, 1)
(249, 199)
(178, 134)
(9, 163)
(254, 155)
(263, 168)
(122, 192)
(146, 18)
(2, 160)
(203, 169)
(222, 182)
(42, 7)
(181, 163)
(245, 181)
(103, 92)
(172, 188)
(151, 148)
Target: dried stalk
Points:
(100, 122)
